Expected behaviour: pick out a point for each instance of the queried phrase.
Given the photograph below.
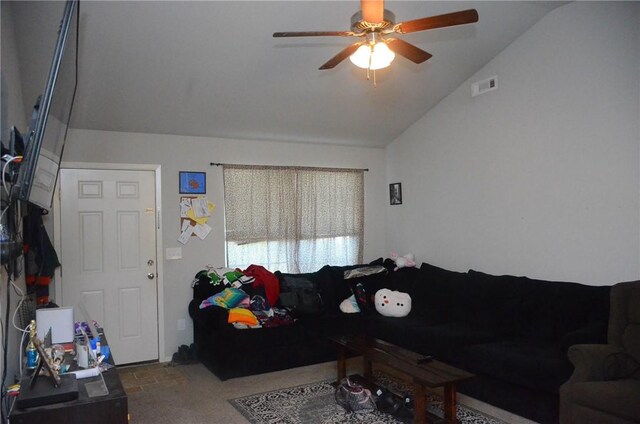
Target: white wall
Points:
(12, 106)
(177, 153)
(540, 177)
(12, 115)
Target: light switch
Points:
(173, 253)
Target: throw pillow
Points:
(392, 303)
(349, 305)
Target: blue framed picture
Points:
(193, 182)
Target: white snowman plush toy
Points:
(392, 303)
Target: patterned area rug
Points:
(315, 403)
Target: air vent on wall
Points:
(481, 87)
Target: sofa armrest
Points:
(213, 317)
(588, 360)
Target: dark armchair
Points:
(605, 385)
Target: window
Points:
(293, 219)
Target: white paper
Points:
(201, 230)
(185, 224)
(200, 207)
(185, 205)
(186, 235)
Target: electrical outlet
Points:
(182, 324)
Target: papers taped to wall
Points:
(195, 212)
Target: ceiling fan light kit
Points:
(373, 55)
(374, 22)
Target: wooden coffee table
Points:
(429, 374)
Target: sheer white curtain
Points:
(293, 219)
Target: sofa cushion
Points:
(533, 365)
(259, 340)
(444, 291)
(331, 323)
(493, 301)
(630, 336)
(399, 331)
(441, 340)
(428, 287)
(553, 309)
(404, 279)
(448, 338)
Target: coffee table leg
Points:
(450, 403)
(419, 404)
(342, 363)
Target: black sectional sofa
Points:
(229, 352)
(512, 332)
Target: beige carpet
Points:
(191, 394)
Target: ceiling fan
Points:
(374, 24)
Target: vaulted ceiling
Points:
(213, 69)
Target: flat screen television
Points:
(44, 142)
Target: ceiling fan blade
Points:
(407, 50)
(314, 34)
(372, 10)
(440, 21)
(345, 53)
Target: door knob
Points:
(150, 275)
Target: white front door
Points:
(108, 256)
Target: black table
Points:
(108, 409)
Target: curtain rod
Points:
(284, 166)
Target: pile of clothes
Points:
(249, 296)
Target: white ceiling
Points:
(213, 69)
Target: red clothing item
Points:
(266, 279)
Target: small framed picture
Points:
(43, 361)
(395, 194)
(193, 182)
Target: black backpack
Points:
(299, 293)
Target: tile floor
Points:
(145, 377)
